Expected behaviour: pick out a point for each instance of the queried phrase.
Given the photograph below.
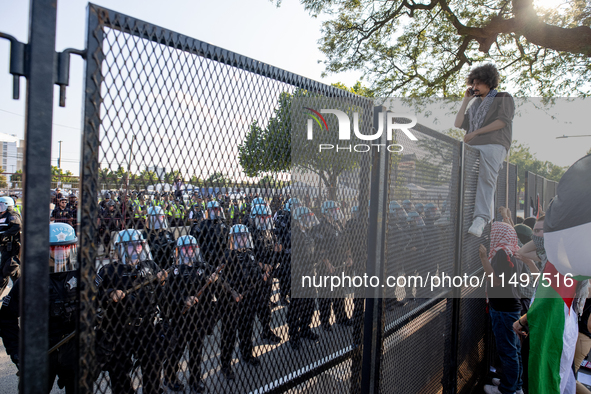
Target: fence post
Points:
(34, 289)
(89, 189)
(374, 317)
(451, 370)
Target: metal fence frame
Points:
(536, 186)
(40, 78)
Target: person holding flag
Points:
(552, 320)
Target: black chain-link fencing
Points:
(193, 189)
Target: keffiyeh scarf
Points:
(479, 110)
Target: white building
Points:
(11, 154)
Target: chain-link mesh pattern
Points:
(187, 215)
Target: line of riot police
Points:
(158, 295)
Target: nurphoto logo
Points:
(345, 129)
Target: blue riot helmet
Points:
(305, 217)
(214, 210)
(63, 248)
(332, 210)
(157, 218)
(400, 214)
(419, 208)
(240, 237)
(131, 247)
(257, 201)
(6, 202)
(262, 217)
(408, 206)
(430, 211)
(393, 206)
(187, 251)
(415, 218)
(292, 203)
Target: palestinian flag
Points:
(552, 320)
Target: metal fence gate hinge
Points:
(17, 62)
(62, 75)
(17, 68)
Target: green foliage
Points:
(273, 149)
(409, 48)
(357, 88)
(3, 183)
(527, 161)
(218, 179)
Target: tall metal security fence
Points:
(171, 295)
(539, 191)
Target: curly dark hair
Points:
(487, 74)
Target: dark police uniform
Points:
(331, 245)
(212, 237)
(191, 327)
(302, 306)
(62, 322)
(162, 246)
(127, 328)
(242, 273)
(10, 236)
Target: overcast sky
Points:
(285, 37)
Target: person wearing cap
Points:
(197, 209)
(61, 214)
(109, 221)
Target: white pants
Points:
(491, 162)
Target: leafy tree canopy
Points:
(426, 48)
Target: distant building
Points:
(11, 154)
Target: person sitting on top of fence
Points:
(487, 117)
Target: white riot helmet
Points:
(332, 209)
(305, 217)
(131, 247)
(187, 251)
(262, 217)
(156, 218)
(240, 237)
(6, 202)
(215, 211)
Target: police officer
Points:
(191, 315)
(282, 224)
(140, 212)
(408, 206)
(212, 234)
(331, 248)
(10, 237)
(301, 308)
(197, 209)
(109, 221)
(128, 292)
(72, 208)
(356, 259)
(242, 273)
(266, 251)
(61, 213)
(62, 308)
(159, 237)
(398, 239)
(106, 199)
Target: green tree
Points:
(16, 179)
(3, 183)
(218, 179)
(274, 149)
(425, 48)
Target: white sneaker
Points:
(477, 227)
(490, 389)
(496, 381)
